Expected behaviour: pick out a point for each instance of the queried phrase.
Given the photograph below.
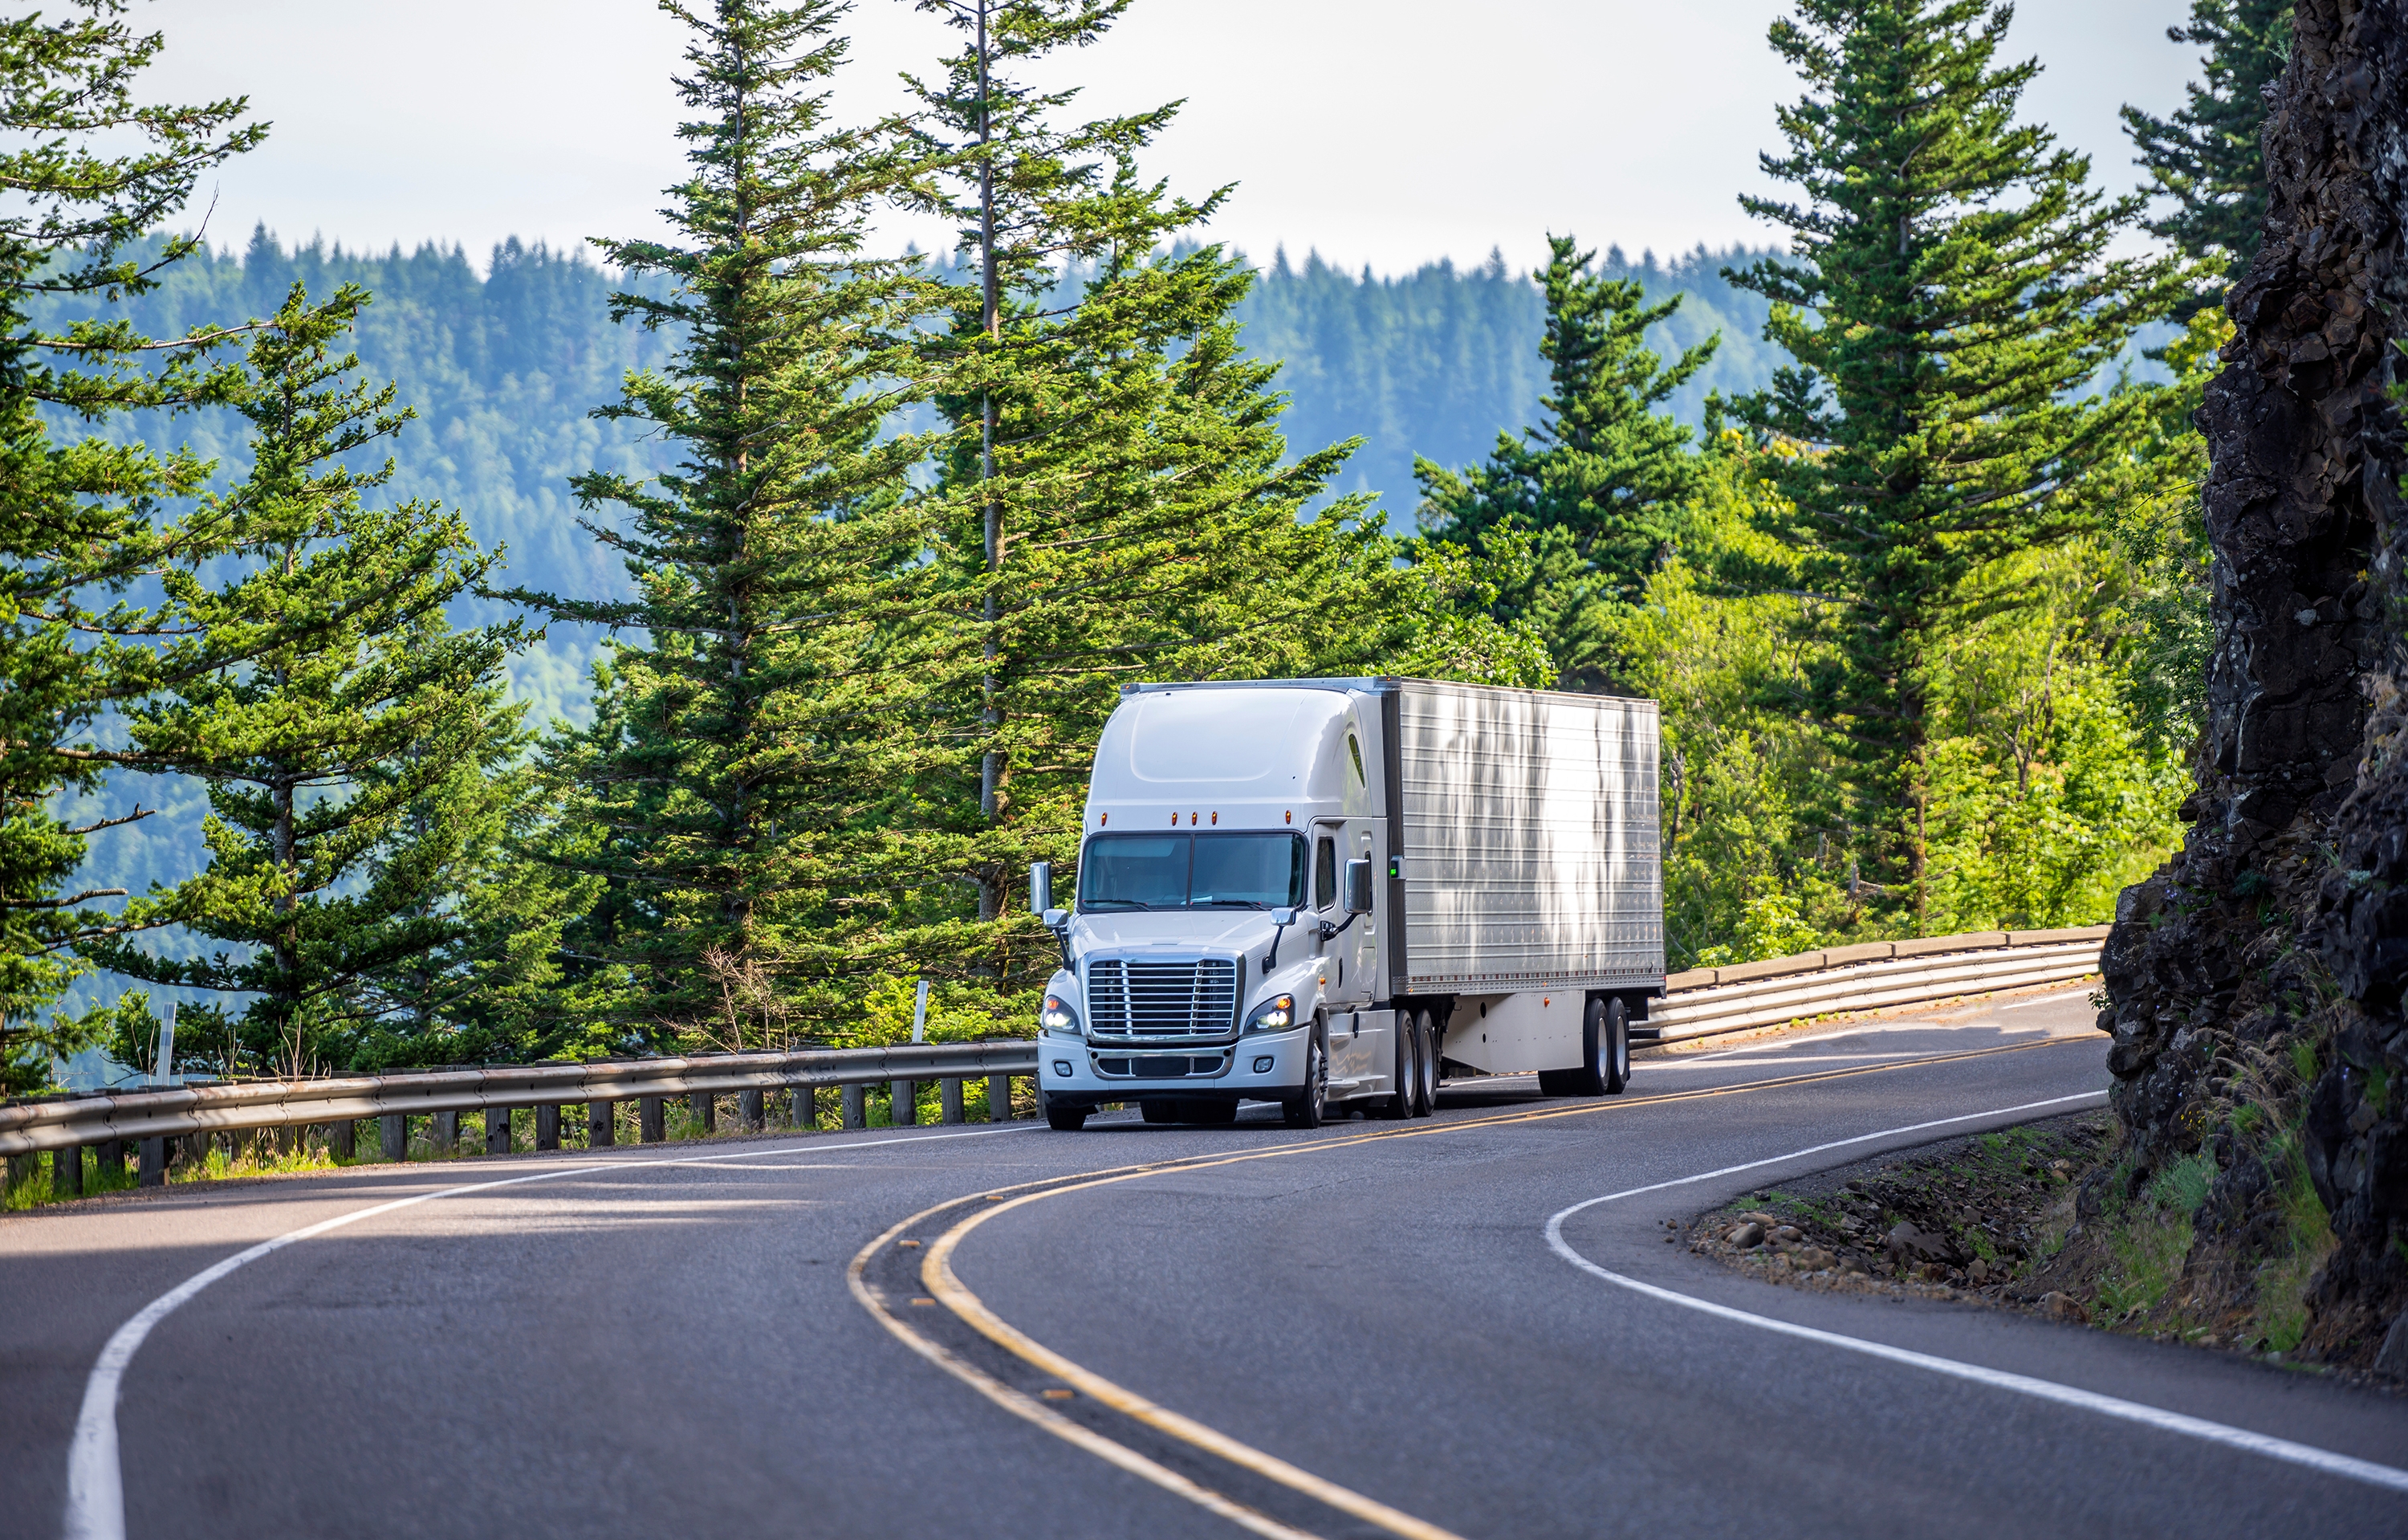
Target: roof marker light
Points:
(1216, 820)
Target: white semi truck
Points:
(1322, 891)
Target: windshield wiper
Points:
(1234, 903)
(1116, 904)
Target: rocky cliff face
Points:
(2257, 979)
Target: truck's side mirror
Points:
(1358, 887)
(1056, 918)
(1041, 886)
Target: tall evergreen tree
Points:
(722, 797)
(494, 987)
(1603, 479)
(1118, 505)
(89, 171)
(1948, 304)
(2207, 156)
(336, 753)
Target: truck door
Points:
(1349, 962)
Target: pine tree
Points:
(1117, 506)
(332, 752)
(2207, 156)
(91, 172)
(719, 800)
(1948, 303)
(1602, 480)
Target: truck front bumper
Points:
(1263, 1067)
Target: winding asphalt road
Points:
(1367, 1330)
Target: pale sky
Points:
(1386, 132)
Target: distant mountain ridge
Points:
(1440, 361)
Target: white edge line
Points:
(2065, 1395)
(96, 1480)
(2042, 999)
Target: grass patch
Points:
(2307, 1241)
(2149, 1236)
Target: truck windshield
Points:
(1130, 872)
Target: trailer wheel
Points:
(1425, 1069)
(1618, 1057)
(1597, 1053)
(1306, 1108)
(1398, 1103)
(1065, 1116)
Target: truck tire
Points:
(1398, 1103)
(1426, 1064)
(1617, 1057)
(1161, 1112)
(1596, 1052)
(1305, 1109)
(1065, 1116)
(1211, 1111)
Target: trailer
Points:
(1322, 892)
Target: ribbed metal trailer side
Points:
(1526, 827)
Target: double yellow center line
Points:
(937, 1276)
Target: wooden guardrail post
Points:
(601, 1124)
(445, 1134)
(651, 1119)
(66, 1172)
(805, 1108)
(342, 1139)
(498, 1131)
(110, 1156)
(154, 1163)
(747, 1111)
(999, 1099)
(949, 1099)
(856, 1106)
(392, 1136)
(706, 1110)
(547, 1126)
(902, 1102)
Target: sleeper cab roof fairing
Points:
(1257, 755)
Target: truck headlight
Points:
(1057, 1015)
(1275, 1015)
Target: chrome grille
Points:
(1130, 998)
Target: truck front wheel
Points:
(1064, 1115)
(1304, 1110)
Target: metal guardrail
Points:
(1703, 1002)
(114, 1120)
(1710, 1002)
